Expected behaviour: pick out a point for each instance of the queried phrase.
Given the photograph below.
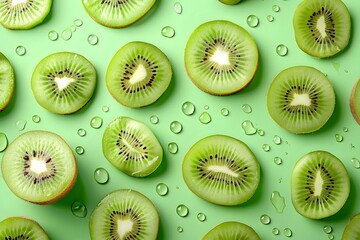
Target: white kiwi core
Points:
(222, 169)
(318, 184)
(301, 99)
(220, 57)
(63, 82)
(16, 2)
(139, 74)
(321, 26)
(124, 226)
(38, 166)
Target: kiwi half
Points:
(138, 74)
(21, 228)
(7, 82)
(23, 14)
(132, 147)
(124, 214)
(39, 167)
(322, 27)
(355, 101)
(117, 13)
(221, 57)
(230, 2)
(221, 170)
(320, 185)
(352, 229)
(301, 99)
(63, 82)
(231, 231)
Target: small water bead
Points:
(275, 8)
(265, 219)
(275, 231)
(246, 108)
(101, 175)
(188, 108)
(206, 107)
(201, 217)
(78, 209)
(278, 160)
(105, 108)
(20, 124)
(277, 140)
(80, 150)
(20, 50)
(345, 129)
(78, 22)
(172, 147)
(331, 237)
(176, 127)
(282, 50)
(327, 229)
(168, 32)
(225, 112)
(339, 138)
(96, 122)
(81, 132)
(154, 119)
(182, 210)
(93, 39)
(356, 163)
(66, 34)
(252, 21)
(178, 7)
(277, 201)
(53, 35)
(287, 232)
(261, 132)
(162, 189)
(270, 18)
(36, 118)
(205, 118)
(73, 28)
(180, 229)
(3, 142)
(266, 147)
(248, 127)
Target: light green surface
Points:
(57, 219)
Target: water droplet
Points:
(287, 232)
(252, 21)
(278, 201)
(79, 150)
(188, 108)
(278, 160)
(265, 219)
(36, 118)
(66, 34)
(78, 22)
(327, 229)
(248, 127)
(182, 210)
(78, 209)
(270, 18)
(162, 189)
(205, 118)
(345, 129)
(101, 175)
(266, 147)
(96, 122)
(93, 39)
(154, 119)
(176, 127)
(277, 140)
(281, 50)
(201, 217)
(172, 148)
(73, 28)
(3, 142)
(339, 138)
(261, 132)
(105, 108)
(225, 112)
(331, 237)
(20, 124)
(168, 32)
(275, 8)
(246, 108)
(53, 35)
(81, 132)
(178, 7)
(352, 146)
(20, 50)
(180, 229)
(206, 107)
(275, 231)
(356, 163)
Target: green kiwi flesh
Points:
(7, 82)
(63, 82)
(21, 228)
(352, 229)
(117, 13)
(131, 146)
(320, 185)
(301, 99)
(23, 14)
(355, 101)
(230, 2)
(138, 74)
(221, 170)
(221, 57)
(231, 231)
(124, 214)
(39, 167)
(322, 27)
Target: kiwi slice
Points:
(322, 27)
(221, 170)
(231, 231)
(21, 228)
(138, 74)
(23, 14)
(221, 57)
(117, 13)
(132, 147)
(7, 82)
(230, 2)
(124, 214)
(352, 229)
(355, 101)
(320, 185)
(63, 82)
(301, 99)
(39, 167)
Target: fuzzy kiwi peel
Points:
(231, 231)
(7, 82)
(352, 228)
(21, 228)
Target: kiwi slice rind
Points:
(301, 99)
(39, 167)
(138, 74)
(230, 2)
(24, 14)
(352, 229)
(131, 146)
(230, 231)
(117, 14)
(7, 82)
(124, 214)
(221, 57)
(222, 170)
(322, 27)
(355, 101)
(21, 228)
(63, 82)
(320, 185)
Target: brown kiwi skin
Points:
(352, 107)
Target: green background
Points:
(58, 220)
